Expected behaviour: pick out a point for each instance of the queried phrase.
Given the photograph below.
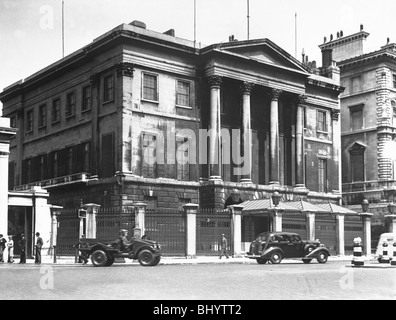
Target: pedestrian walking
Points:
(10, 247)
(22, 247)
(2, 247)
(82, 243)
(223, 246)
(39, 244)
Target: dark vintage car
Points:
(275, 246)
(147, 252)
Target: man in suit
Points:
(223, 246)
(39, 244)
(22, 247)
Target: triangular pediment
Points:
(266, 51)
(357, 146)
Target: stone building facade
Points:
(111, 123)
(368, 123)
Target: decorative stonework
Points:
(214, 81)
(275, 94)
(247, 87)
(335, 113)
(301, 99)
(125, 69)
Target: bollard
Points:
(393, 262)
(357, 260)
(385, 254)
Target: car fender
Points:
(316, 251)
(134, 254)
(267, 253)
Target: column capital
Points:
(301, 99)
(247, 87)
(275, 94)
(235, 209)
(335, 113)
(214, 81)
(125, 69)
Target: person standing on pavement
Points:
(10, 247)
(22, 246)
(223, 246)
(82, 243)
(2, 247)
(39, 244)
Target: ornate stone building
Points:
(110, 124)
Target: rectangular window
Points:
(42, 166)
(55, 112)
(42, 116)
(394, 81)
(150, 87)
(86, 157)
(70, 104)
(54, 164)
(321, 121)
(182, 160)
(322, 173)
(29, 121)
(149, 161)
(357, 166)
(183, 94)
(13, 122)
(356, 118)
(86, 98)
(69, 161)
(108, 88)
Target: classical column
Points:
(300, 179)
(236, 216)
(340, 234)
(190, 210)
(246, 132)
(6, 133)
(274, 136)
(215, 127)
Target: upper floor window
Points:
(322, 175)
(322, 121)
(183, 93)
(108, 88)
(182, 159)
(356, 165)
(55, 112)
(394, 80)
(149, 156)
(70, 104)
(86, 98)
(42, 115)
(356, 114)
(150, 87)
(29, 121)
(13, 122)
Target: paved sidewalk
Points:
(70, 260)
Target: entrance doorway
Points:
(20, 221)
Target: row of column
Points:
(215, 137)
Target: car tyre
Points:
(276, 257)
(156, 260)
(261, 260)
(146, 258)
(110, 261)
(322, 257)
(99, 258)
(306, 260)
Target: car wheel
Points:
(276, 257)
(99, 258)
(110, 261)
(146, 258)
(156, 260)
(306, 260)
(322, 257)
(261, 260)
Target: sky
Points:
(31, 30)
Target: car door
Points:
(296, 247)
(286, 245)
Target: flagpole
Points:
(195, 23)
(248, 17)
(63, 29)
